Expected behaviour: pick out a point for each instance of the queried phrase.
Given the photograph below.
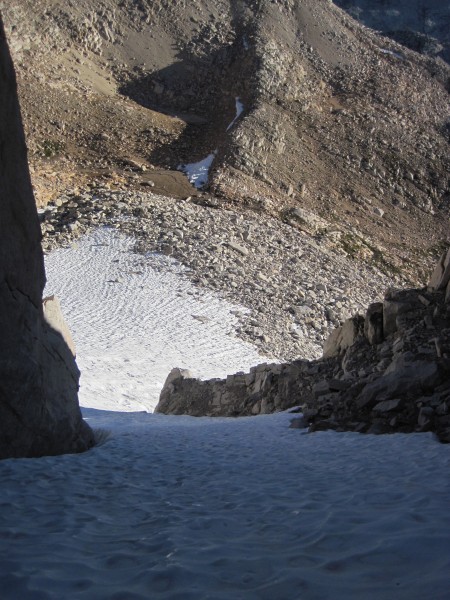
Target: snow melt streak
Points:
(189, 509)
(134, 318)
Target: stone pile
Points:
(297, 287)
(385, 372)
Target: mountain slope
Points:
(343, 133)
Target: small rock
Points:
(237, 248)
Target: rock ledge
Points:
(385, 372)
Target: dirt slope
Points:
(344, 133)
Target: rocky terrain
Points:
(421, 25)
(328, 146)
(39, 411)
(298, 287)
(387, 371)
(343, 132)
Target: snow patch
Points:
(392, 53)
(134, 318)
(239, 111)
(198, 172)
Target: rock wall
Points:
(39, 411)
(388, 371)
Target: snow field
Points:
(179, 508)
(184, 508)
(134, 318)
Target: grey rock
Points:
(39, 411)
(419, 376)
(373, 324)
(343, 337)
(441, 275)
(388, 405)
(425, 418)
(54, 317)
(238, 248)
(321, 388)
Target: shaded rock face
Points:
(421, 26)
(386, 372)
(39, 411)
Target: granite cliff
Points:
(39, 411)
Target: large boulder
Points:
(440, 278)
(39, 410)
(343, 337)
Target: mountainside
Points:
(422, 25)
(342, 133)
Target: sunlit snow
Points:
(239, 111)
(134, 318)
(392, 53)
(198, 172)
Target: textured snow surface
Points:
(134, 318)
(185, 508)
(179, 508)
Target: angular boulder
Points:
(440, 278)
(39, 410)
(373, 323)
(54, 317)
(343, 337)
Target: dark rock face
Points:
(39, 411)
(421, 26)
(387, 372)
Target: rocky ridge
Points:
(387, 371)
(421, 25)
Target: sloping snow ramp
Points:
(134, 318)
(183, 508)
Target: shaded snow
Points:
(184, 508)
(179, 508)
